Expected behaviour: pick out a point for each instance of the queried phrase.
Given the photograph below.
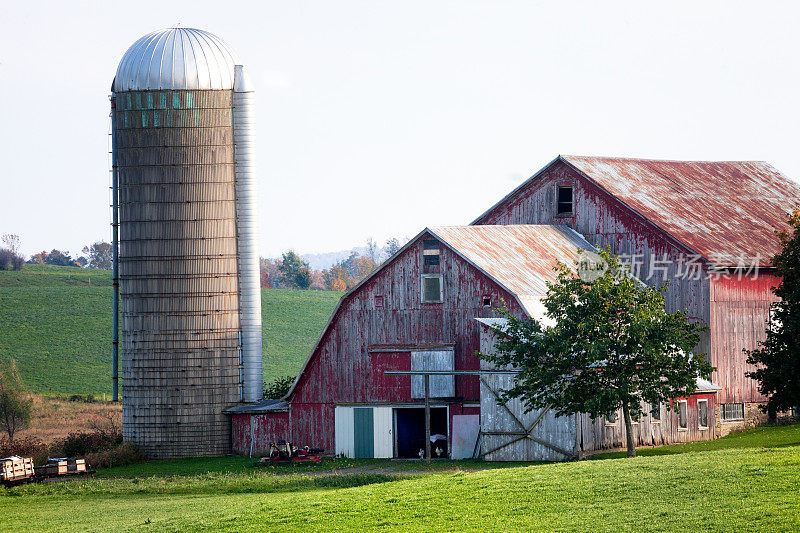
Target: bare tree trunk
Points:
(772, 414)
(626, 414)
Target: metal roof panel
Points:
(723, 210)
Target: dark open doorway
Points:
(410, 431)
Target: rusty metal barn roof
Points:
(521, 258)
(720, 210)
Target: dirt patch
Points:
(55, 418)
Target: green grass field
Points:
(56, 322)
(746, 482)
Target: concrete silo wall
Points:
(180, 344)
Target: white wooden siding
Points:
(440, 386)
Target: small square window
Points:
(683, 415)
(702, 414)
(432, 291)
(487, 301)
(564, 200)
(611, 419)
(378, 302)
(655, 413)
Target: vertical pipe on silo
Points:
(115, 258)
(247, 235)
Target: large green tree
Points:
(612, 345)
(778, 356)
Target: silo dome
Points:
(177, 59)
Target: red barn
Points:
(708, 228)
(416, 312)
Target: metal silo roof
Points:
(176, 59)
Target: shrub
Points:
(28, 446)
(81, 444)
(123, 454)
(89, 398)
(278, 388)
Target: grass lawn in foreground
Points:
(750, 485)
(760, 437)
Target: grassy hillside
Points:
(56, 322)
(752, 485)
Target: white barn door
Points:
(384, 436)
(343, 427)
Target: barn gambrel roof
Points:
(519, 258)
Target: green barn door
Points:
(363, 432)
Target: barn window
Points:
(430, 252)
(655, 413)
(702, 414)
(732, 411)
(378, 302)
(432, 290)
(564, 200)
(487, 301)
(611, 419)
(683, 415)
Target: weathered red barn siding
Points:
(739, 321)
(595, 435)
(606, 222)
(260, 429)
(348, 364)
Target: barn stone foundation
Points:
(753, 416)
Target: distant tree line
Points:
(288, 272)
(96, 255)
(292, 272)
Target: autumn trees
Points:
(291, 271)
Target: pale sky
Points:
(380, 118)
